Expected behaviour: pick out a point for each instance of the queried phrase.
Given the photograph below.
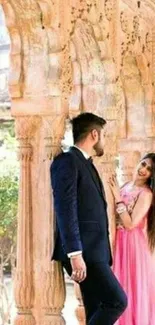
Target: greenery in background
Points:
(8, 148)
(8, 204)
(7, 135)
(9, 178)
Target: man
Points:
(82, 242)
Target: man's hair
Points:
(84, 123)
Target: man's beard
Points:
(98, 150)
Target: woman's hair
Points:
(151, 214)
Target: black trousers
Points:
(103, 297)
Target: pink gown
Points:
(134, 267)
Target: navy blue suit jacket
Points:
(81, 209)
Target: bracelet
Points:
(122, 209)
(119, 202)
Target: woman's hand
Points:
(119, 226)
(115, 188)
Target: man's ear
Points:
(94, 134)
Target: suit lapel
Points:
(101, 184)
(89, 168)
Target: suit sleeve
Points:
(64, 184)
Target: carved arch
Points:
(15, 78)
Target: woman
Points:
(134, 264)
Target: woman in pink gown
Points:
(134, 264)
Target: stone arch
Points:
(39, 128)
(15, 80)
(29, 48)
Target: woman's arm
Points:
(142, 206)
(139, 211)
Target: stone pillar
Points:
(53, 294)
(24, 286)
(80, 312)
(37, 45)
(53, 289)
(40, 138)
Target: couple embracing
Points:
(114, 292)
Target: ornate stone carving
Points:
(26, 127)
(24, 289)
(89, 72)
(121, 110)
(15, 79)
(136, 26)
(53, 289)
(53, 131)
(136, 79)
(148, 41)
(85, 56)
(153, 79)
(134, 94)
(109, 9)
(125, 23)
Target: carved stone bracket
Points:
(53, 132)
(15, 76)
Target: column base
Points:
(54, 320)
(24, 319)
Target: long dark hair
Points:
(151, 214)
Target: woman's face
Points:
(144, 170)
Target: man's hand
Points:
(79, 271)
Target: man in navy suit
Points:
(82, 237)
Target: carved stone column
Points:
(53, 289)
(80, 312)
(53, 294)
(24, 289)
